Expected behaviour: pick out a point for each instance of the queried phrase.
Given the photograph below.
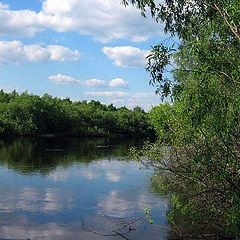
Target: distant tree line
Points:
(28, 114)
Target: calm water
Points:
(52, 187)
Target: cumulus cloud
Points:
(67, 80)
(63, 79)
(11, 52)
(118, 82)
(34, 53)
(20, 23)
(105, 21)
(16, 52)
(60, 53)
(95, 83)
(127, 56)
(107, 94)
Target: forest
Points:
(27, 115)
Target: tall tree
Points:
(201, 166)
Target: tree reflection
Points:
(43, 155)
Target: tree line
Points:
(28, 114)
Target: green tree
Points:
(197, 156)
(28, 114)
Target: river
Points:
(75, 188)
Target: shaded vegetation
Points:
(28, 114)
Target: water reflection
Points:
(46, 194)
(42, 155)
(32, 199)
(126, 203)
(21, 228)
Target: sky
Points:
(80, 49)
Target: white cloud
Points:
(118, 82)
(95, 83)
(63, 79)
(4, 6)
(16, 52)
(105, 21)
(107, 94)
(11, 52)
(60, 53)
(36, 53)
(21, 23)
(67, 80)
(127, 56)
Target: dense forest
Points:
(197, 156)
(28, 114)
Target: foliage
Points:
(147, 214)
(28, 114)
(193, 22)
(196, 158)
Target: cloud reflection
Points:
(32, 199)
(58, 175)
(91, 174)
(112, 170)
(113, 177)
(129, 203)
(16, 227)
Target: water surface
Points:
(53, 187)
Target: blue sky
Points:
(82, 49)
